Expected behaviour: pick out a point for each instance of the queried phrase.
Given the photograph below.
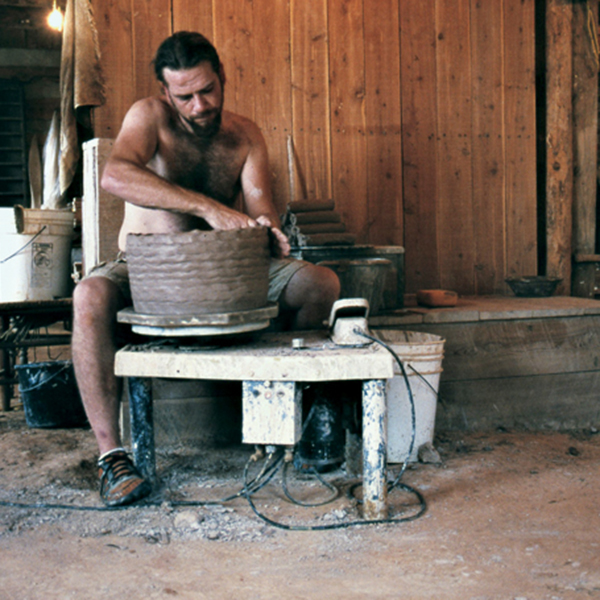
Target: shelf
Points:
(13, 151)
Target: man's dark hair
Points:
(184, 50)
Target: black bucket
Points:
(363, 278)
(50, 395)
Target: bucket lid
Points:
(30, 221)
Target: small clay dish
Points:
(533, 286)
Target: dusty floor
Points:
(510, 515)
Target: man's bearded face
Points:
(196, 94)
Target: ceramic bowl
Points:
(533, 286)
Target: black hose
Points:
(335, 492)
(422, 507)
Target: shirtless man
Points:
(180, 162)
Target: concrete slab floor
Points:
(510, 515)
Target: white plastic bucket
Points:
(421, 354)
(35, 254)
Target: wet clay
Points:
(199, 272)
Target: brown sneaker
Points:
(120, 481)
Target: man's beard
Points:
(204, 131)
(207, 130)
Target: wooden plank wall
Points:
(416, 116)
(586, 64)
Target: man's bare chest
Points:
(211, 168)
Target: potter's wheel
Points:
(213, 324)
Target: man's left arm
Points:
(256, 187)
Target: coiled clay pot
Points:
(199, 272)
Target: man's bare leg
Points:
(311, 292)
(96, 302)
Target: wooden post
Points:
(374, 449)
(585, 135)
(101, 212)
(559, 136)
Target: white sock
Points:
(113, 451)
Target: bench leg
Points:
(7, 375)
(142, 425)
(374, 449)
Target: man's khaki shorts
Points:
(281, 271)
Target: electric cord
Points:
(270, 468)
(422, 507)
(335, 492)
(265, 475)
(23, 247)
(420, 376)
(268, 472)
(75, 507)
(435, 392)
(391, 485)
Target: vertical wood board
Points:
(113, 21)
(455, 211)
(419, 146)
(585, 124)
(272, 95)
(585, 148)
(520, 145)
(310, 99)
(559, 187)
(237, 44)
(146, 40)
(348, 143)
(383, 114)
(487, 28)
(193, 15)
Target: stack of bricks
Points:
(315, 223)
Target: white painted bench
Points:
(270, 370)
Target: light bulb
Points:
(55, 18)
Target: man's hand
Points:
(222, 217)
(281, 246)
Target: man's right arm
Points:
(127, 176)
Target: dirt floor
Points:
(509, 516)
